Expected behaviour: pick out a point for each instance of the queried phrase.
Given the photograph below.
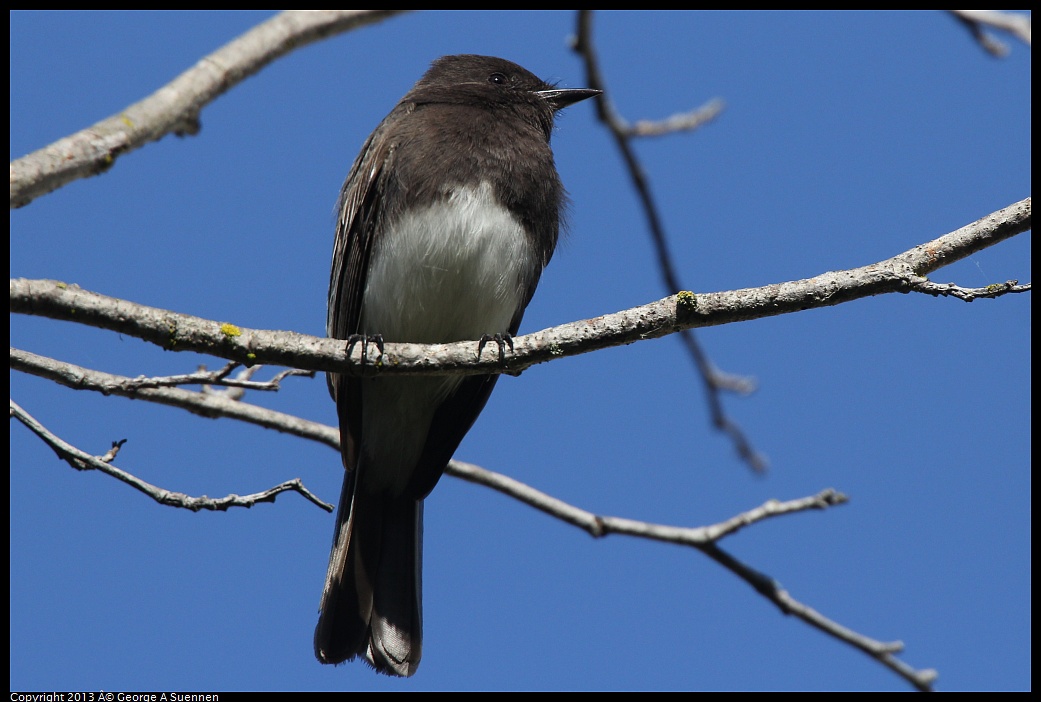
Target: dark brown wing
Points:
(359, 213)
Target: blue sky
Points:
(847, 138)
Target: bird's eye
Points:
(498, 79)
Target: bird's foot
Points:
(365, 340)
(501, 340)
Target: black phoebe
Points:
(446, 220)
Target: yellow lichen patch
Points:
(687, 299)
(230, 330)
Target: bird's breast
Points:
(453, 270)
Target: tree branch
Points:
(622, 132)
(203, 404)
(770, 589)
(599, 526)
(705, 539)
(173, 331)
(81, 460)
(975, 20)
(175, 107)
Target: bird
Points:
(444, 224)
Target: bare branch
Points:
(682, 122)
(706, 539)
(714, 382)
(175, 107)
(599, 526)
(80, 460)
(975, 21)
(111, 454)
(203, 404)
(772, 590)
(180, 332)
(218, 377)
(970, 294)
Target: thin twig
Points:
(682, 122)
(706, 539)
(600, 525)
(970, 294)
(712, 379)
(217, 377)
(769, 588)
(210, 405)
(1018, 25)
(81, 460)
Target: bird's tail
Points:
(372, 602)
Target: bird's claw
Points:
(365, 340)
(501, 340)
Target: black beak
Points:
(559, 98)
